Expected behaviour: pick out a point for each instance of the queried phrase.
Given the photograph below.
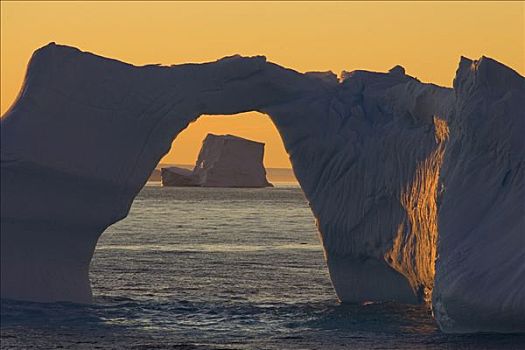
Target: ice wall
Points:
(480, 272)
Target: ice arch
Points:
(86, 131)
(107, 124)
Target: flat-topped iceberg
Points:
(224, 161)
(390, 166)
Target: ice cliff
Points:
(480, 271)
(397, 173)
(224, 161)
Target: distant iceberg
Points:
(179, 177)
(418, 190)
(224, 161)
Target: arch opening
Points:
(252, 125)
(188, 229)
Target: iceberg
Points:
(417, 190)
(176, 176)
(224, 161)
(480, 271)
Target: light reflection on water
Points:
(194, 268)
(212, 247)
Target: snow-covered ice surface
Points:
(223, 161)
(375, 154)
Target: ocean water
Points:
(194, 268)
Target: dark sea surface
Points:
(195, 268)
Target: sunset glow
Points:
(426, 38)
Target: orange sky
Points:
(427, 38)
